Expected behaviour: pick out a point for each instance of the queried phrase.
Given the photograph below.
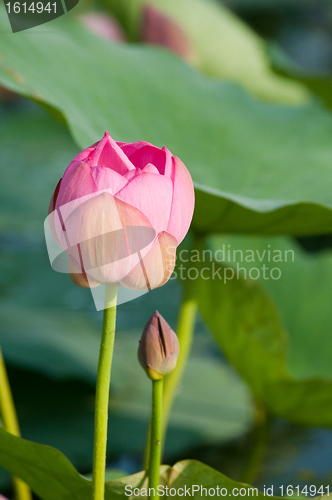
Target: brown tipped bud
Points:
(159, 348)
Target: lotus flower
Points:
(119, 211)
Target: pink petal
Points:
(155, 268)
(149, 154)
(152, 195)
(109, 154)
(129, 148)
(130, 175)
(75, 183)
(105, 178)
(169, 162)
(83, 155)
(183, 201)
(132, 151)
(149, 168)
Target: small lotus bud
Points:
(159, 348)
(160, 29)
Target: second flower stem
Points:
(102, 393)
(185, 332)
(155, 439)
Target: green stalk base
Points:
(155, 441)
(102, 393)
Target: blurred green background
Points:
(261, 162)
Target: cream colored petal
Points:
(155, 268)
(109, 233)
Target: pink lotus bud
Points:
(104, 25)
(159, 348)
(119, 212)
(3, 498)
(160, 29)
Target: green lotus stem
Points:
(155, 440)
(10, 422)
(102, 393)
(185, 332)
